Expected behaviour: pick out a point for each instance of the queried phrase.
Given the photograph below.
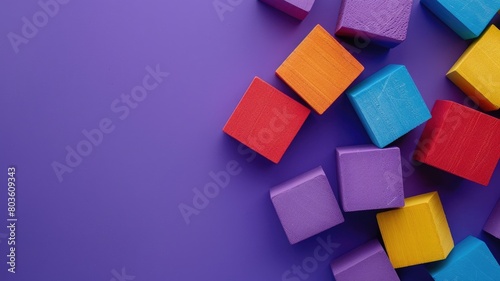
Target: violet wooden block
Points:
(492, 225)
(369, 178)
(366, 263)
(296, 8)
(306, 205)
(384, 22)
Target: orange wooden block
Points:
(319, 69)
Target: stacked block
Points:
(470, 260)
(298, 9)
(388, 104)
(492, 225)
(369, 178)
(417, 233)
(366, 263)
(319, 69)
(266, 120)
(467, 18)
(477, 72)
(306, 205)
(384, 22)
(461, 141)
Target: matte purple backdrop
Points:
(116, 215)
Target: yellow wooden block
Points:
(417, 233)
(477, 71)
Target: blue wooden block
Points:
(389, 104)
(467, 18)
(469, 260)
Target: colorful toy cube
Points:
(298, 9)
(492, 225)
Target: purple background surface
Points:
(119, 208)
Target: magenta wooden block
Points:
(492, 225)
(306, 205)
(296, 8)
(366, 263)
(369, 178)
(384, 22)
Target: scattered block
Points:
(385, 23)
(461, 141)
(370, 178)
(298, 9)
(417, 233)
(366, 263)
(492, 225)
(467, 18)
(388, 104)
(266, 120)
(306, 205)
(470, 260)
(477, 72)
(319, 69)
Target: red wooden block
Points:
(462, 141)
(266, 120)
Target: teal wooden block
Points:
(469, 260)
(467, 18)
(389, 104)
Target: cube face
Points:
(384, 22)
(306, 205)
(298, 9)
(477, 71)
(388, 104)
(472, 139)
(417, 233)
(470, 260)
(266, 120)
(366, 263)
(319, 69)
(370, 178)
(467, 18)
(492, 225)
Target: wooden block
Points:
(388, 104)
(366, 263)
(417, 233)
(370, 178)
(492, 225)
(461, 141)
(266, 120)
(384, 22)
(470, 260)
(477, 72)
(319, 69)
(306, 205)
(298, 9)
(467, 18)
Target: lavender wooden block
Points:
(366, 263)
(384, 22)
(492, 225)
(369, 178)
(306, 205)
(296, 8)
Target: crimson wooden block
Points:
(266, 120)
(461, 141)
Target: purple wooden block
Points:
(306, 205)
(296, 8)
(492, 225)
(384, 22)
(370, 178)
(366, 263)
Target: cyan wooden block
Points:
(467, 18)
(469, 260)
(389, 104)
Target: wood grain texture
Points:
(298, 9)
(417, 233)
(477, 71)
(461, 141)
(319, 69)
